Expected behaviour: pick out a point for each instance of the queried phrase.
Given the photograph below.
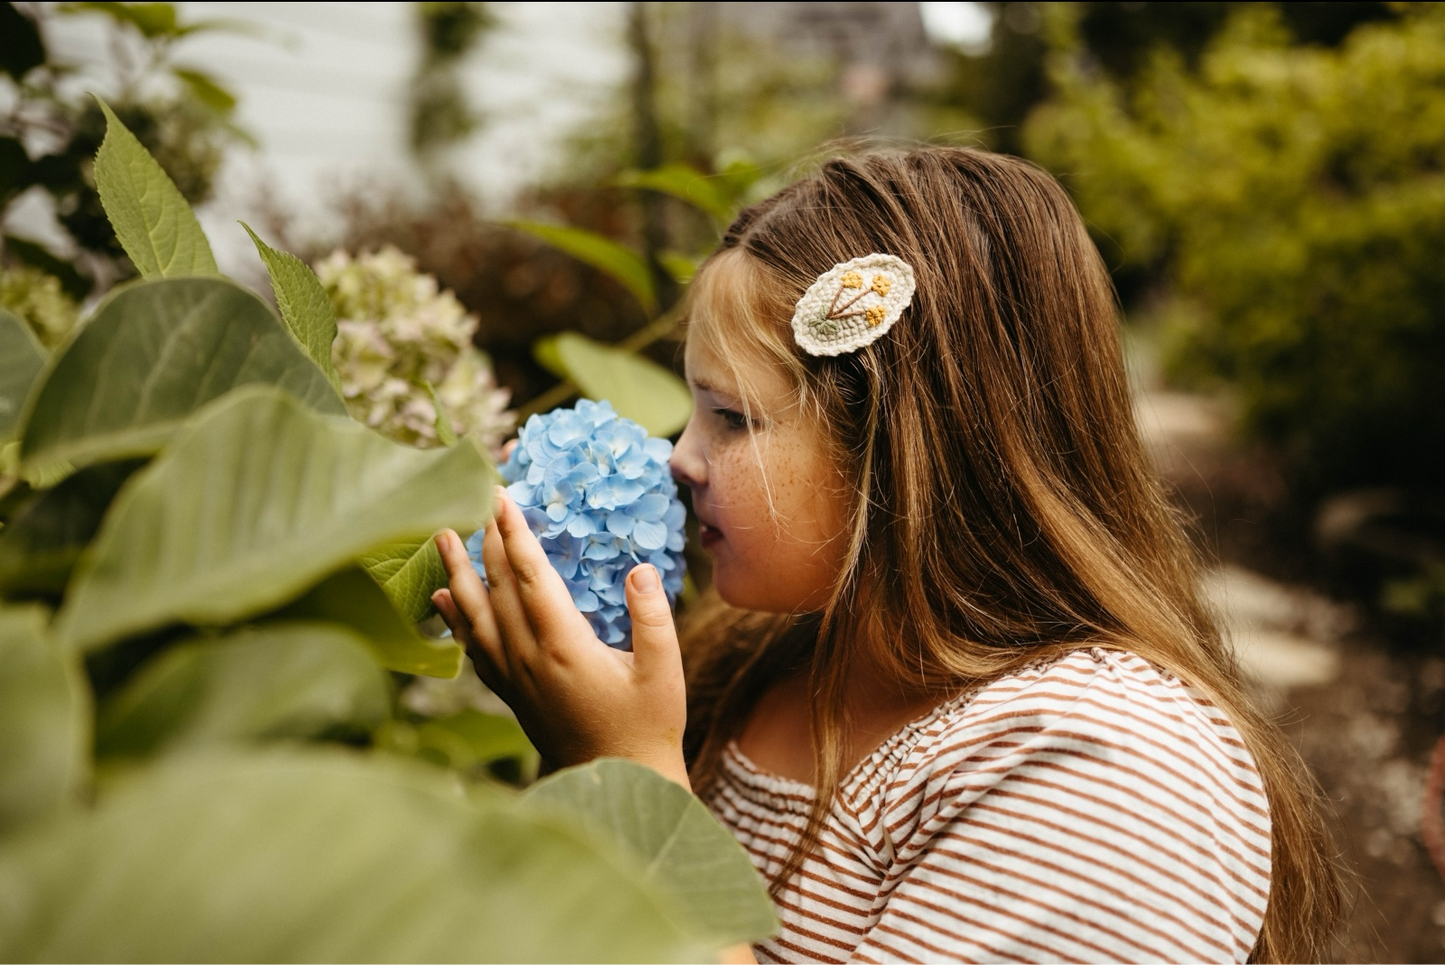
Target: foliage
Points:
(208, 580)
(404, 352)
(1293, 198)
(1000, 84)
(51, 129)
(40, 302)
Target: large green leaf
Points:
(688, 184)
(44, 720)
(463, 741)
(320, 856)
(638, 388)
(622, 263)
(154, 353)
(305, 306)
(410, 572)
(41, 544)
(152, 221)
(279, 681)
(256, 500)
(681, 846)
(21, 359)
(352, 598)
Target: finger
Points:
(654, 636)
(484, 665)
(519, 643)
(541, 591)
(468, 597)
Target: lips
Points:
(708, 535)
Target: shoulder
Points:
(1099, 799)
(1100, 736)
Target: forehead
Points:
(734, 340)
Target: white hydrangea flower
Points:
(397, 332)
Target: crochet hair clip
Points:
(853, 304)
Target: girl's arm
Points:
(577, 698)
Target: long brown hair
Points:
(1003, 509)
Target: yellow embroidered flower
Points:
(851, 280)
(881, 284)
(875, 314)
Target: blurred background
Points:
(1266, 182)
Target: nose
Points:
(688, 463)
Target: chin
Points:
(762, 595)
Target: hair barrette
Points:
(852, 304)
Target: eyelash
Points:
(735, 420)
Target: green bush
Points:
(209, 582)
(1293, 198)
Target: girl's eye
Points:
(733, 418)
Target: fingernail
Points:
(644, 578)
(501, 493)
(441, 539)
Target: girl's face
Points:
(770, 499)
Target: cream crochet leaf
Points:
(852, 304)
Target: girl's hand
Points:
(576, 697)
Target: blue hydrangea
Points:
(598, 493)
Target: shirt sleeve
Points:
(1085, 813)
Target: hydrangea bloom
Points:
(396, 333)
(598, 493)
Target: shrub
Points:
(1294, 200)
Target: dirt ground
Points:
(1363, 703)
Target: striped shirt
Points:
(1092, 809)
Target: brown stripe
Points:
(795, 887)
(1130, 855)
(1133, 792)
(1163, 829)
(1054, 730)
(807, 953)
(1052, 953)
(871, 881)
(1067, 872)
(1104, 953)
(1088, 923)
(793, 926)
(943, 953)
(1081, 752)
(894, 955)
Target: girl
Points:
(960, 698)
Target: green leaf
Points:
(353, 599)
(41, 544)
(679, 844)
(638, 388)
(253, 502)
(681, 267)
(152, 221)
(622, 263)
(446, 434)
(44, 719)
(463, 741)
(151, 19)
(154, 353)
(206, 89)
(410, 572)
(304, 304)
(316, 856)
(687, 184)
(21, 360)
(279, 681)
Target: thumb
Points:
(654, 636)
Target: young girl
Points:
(960, 699)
